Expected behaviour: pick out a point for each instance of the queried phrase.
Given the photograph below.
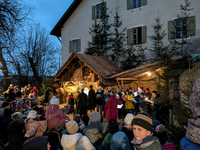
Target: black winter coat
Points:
(81, 104)
(99, 100)
(91, 99)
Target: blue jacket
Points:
(186, 144)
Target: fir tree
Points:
(117, 40)
(157, 39)
(134, 57)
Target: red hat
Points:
(147, 89)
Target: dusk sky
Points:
(48, 12)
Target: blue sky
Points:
(48, 12)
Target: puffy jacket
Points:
(129, 104)
(76, 142)
(34, 90)
(55, 117)
(35, 128)
(186, 144)
(110, 108)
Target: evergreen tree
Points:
(157, 39)
(105, 26)
(95, 47)
(117, 40)
(134, 57)
(100, 32)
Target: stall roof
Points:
(99, 65)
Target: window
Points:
(75, 45)
(181, 28)
(137, 3)
(97, 10)
(137, 35)
(132, 4)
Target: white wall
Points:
(77, 26)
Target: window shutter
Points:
(79, 45)
(70, 46)
(129, 4)
(171, 29)
(144, 34)
(93, 13)
(129, 42)
(191, 26)
(144, 2)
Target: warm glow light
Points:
(149, 73)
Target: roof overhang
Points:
(57, 28)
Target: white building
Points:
(137, 16)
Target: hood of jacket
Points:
(69, 141)
(51, 110)
(42, 125)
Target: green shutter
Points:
(144, 2)
(171, 29)
(191, 26)
(144, 34)
(70, 46)
(129, 42)
(129, 4)
(79, 45)
(93, 12)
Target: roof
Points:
(99, 65)
(57, 28)
(139, 71)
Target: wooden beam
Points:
(127, 79)
(118, 84)
(122, 83)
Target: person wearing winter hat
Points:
(127, 129)
(192, 138)
(34, 127)
(34, 90)
(74, 140)
(142, 130)
(16, 135)
(55, 117)
(119, 141)
(36, 143)
(96, 130)
(6, 105)
(161, 134)
(17, 116)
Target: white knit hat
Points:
(54, 100)
(129, 117)
(32, 114)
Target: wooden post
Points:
(122, 83)
(118, 83)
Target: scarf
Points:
(137, 142)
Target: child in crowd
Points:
(17, 116)
(142, 104)
(74, 140)
(55, 117)
(85, 120)
(112, 128)
(142, 130)
(78, 121)
(128, 129)
(19, 107)
(162, 135)
(34, 127)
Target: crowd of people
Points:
(31, 127)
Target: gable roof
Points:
(99, 65)
(57, 28)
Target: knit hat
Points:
(160, 128)
(54, 100)
(147, 89)
(129, 117)
(100, 87)
(95, 116)
(5, 104)
(17, 116)
(143, 120)
(72, 127)
(32, 114)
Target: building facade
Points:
(137, 17)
